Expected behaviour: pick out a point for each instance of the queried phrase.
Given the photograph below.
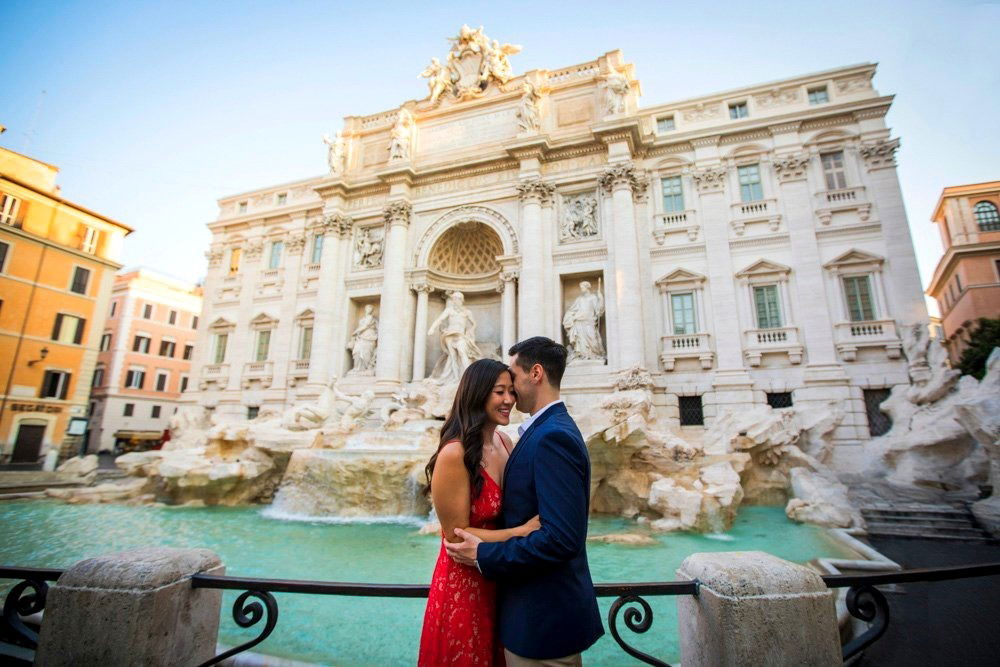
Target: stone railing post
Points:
(755, 609)
(132, 608)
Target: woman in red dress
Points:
(465, 477)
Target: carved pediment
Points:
(764, 268)
(221, 324)
(264, 321)
(305, 315)
(681, 278)
(854, 258)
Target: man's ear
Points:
(537, 373)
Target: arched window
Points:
(987, 216)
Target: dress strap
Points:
(504, 441)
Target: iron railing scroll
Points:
(257, 603)
(25, 598)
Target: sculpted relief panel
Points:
(580, 219)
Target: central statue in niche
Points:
(458, 339)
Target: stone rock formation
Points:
(980, 416)
(641, 469)
(822, 500)
(932, 445)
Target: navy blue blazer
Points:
(547, 605)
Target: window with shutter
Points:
(766, 303)
(81, 277)
(858, 292)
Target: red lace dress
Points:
(460, 621)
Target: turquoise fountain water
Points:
(366, 631)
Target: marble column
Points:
(508, 322)
(392, 303)
(329, 298)
(423, 290)
(624, 181)
(531, 322)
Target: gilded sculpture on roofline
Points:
(335, 152)
(473, 63)
(401, 136)
(529, 117)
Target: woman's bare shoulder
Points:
(451, 452)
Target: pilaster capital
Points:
(624, 176)
(336, 224)
(214, 256)
(879, 154)
(397, 213)
(296, 242)
(421, 287)
(535, 191)
(791, 167)
(253, 249)
(710, 179)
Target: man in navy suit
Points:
(548, 610)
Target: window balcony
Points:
(850, 336)
(678, 222)
(298, 370)
(258, 372)
(843, 199)
(760, 211)
(215, 370)
(686, 346)
(782, 340)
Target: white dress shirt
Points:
(526, 424)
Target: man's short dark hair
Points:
(544, 351)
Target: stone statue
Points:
(335, 152)
(496, 63)
(458, 339)
(582, 322)
(368, 250)
(617, 91)
(438, 79)
(529, 117)
(353, 416)
(364, 343)
(311, 415)
(401, 136)
(580, 218)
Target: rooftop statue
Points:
(473, 63)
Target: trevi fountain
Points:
(430, 249)
(500, 207)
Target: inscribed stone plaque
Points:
(571, 112)
(469, 131)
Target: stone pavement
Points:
(944, 623)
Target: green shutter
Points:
(766, 302)
(857, 290)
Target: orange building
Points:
(146, 351)
(966, 282)
(57, 265)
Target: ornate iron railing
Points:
(256, 602)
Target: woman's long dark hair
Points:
(467, 419)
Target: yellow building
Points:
(57, 266)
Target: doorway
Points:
(28, 445)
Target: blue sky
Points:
(154, 110)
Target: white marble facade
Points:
(744, 243)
